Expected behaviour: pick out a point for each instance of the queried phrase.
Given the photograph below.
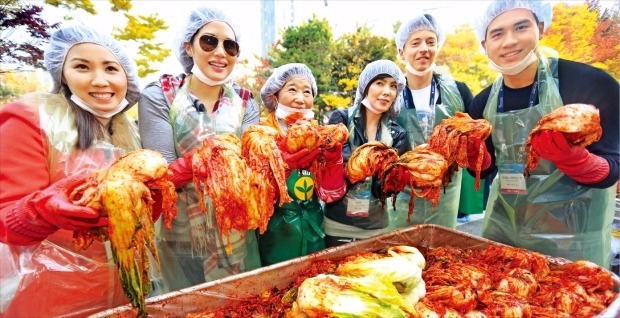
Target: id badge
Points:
(358, 207)
(511, 179)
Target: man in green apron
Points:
(565, 208)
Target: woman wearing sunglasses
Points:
(176, 114)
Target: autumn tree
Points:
(16, 21)
(352, 52)
(583, 33)
(464, 60)
(571, 32)
(606, 39)
(16, 83)
(309, 43)
(254, 78)
(139, 31)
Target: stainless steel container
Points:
(212, 295)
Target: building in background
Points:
(275, 16)
(268, 25)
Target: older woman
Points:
(176, 114)
(359, 214)
(296, 228)
(50, 143)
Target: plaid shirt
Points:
(191, 125)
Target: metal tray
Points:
(212, 295)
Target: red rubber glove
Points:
(473, 149)
(300, 159)
(331, 184)
(575, 162)
(42, 213)
(182, 170)
(53, 206)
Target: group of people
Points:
(50, 142)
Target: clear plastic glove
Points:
(182, 170)
(300, 159)
(53, 206)
(473, 150)
(575, 162)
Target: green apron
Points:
(553, 215)
(294, 229)
(447, 209)
(472, 201)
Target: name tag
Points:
(511, 179)
(358, 207)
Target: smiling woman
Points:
(295, 229)
(359, 214)
(98, 80)
(176, 114)
(51, 144)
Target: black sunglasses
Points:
(209, 43)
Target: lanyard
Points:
(409, 97)
(533, 94)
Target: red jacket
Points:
(23, 163)
(53, 278)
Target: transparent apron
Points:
(294, 229)
(193, 252)
(553, 215)
(51, 278)
(418, 133)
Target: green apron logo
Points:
(300, 185)
(304, 188)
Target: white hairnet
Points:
(278, 79)
(65, 38)
(420, 22)
(196, 20)
(374, 69)
(542, 11)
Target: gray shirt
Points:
(154, 120)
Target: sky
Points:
(343, 16)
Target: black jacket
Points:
(399, 136)
(377, 217)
